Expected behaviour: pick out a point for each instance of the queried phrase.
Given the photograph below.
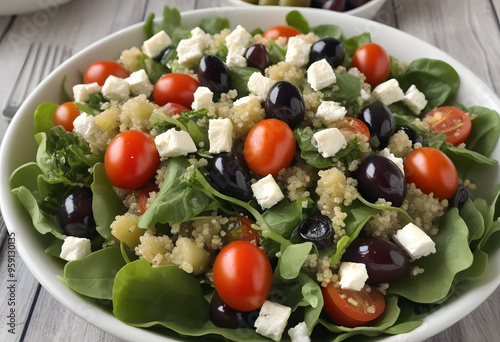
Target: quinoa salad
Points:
(284, 183)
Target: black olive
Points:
(411, 133)
(258, 57)
(317, 229)
(229, 176)
(459, 198)
(224, 316)
(379, 177)
(284, 102)
(331, 49)
(380, 121)
(213, 73)
(76, 216)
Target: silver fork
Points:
(40, 60)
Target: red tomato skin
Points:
(171, 109)
(65, 114)
(99, 72)
(451, 121)
(373, 61)
(144, 196)
(354, 127)
(131, 159)
(285, 31)
(341, 313)
(242, 276)
(175, 87)
(269, 147)
(248, 233)
(431, 171)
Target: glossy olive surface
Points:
(459, 198)
(380, 121)
(284, 102)
(411, 133)
(213, 73)
(317, 229)
(258, 57)
(229, 175)
(224, 316)
(75, 214)
(331, 49)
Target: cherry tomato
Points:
(172, 109)
(99, 72)
(373, 61)
(175, 87)
(245, 231)
(269, 147)
(144, 196)
(131, 159)
(340, 305)
(431, 171)
(65, 114)
(350, 127)
(276, 32)
(242, 275)
(451, 121)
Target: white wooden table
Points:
(466, 29)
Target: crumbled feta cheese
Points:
(364, 95)
(243, 100)
(299, 333)
(353, 275)
(329, 141)
(320, 75)
(414, 241)
(272, 320)
(267, 192)
(235, 55)
(75, 248)
(396, 160)
(156, 44)
(220, 135)
(174, 143)
(84, 125)
(202, 98)
(415, 99)
(190, 50)
(239, 36)
(260, 85)
(330, 111)
(81, 92)
(298, 50)
(138, 83)
(388, 92)
(115, 88)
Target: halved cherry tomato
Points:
(451, 121)
(175, 87)
(99, 72)
(171, 109)
(431, 171)
(351, 308)
(245, 231)
(350, 127)
(131, 159)
(144, 196)
(65, 114)
(242, 275)
(373, 61)
(285, 31)
(269, 147)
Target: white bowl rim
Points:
(433, 323)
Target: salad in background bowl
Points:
(33, 246)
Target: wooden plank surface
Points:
(467, 30)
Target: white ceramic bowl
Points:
(367, 10)
(10, 7)
(19, 147)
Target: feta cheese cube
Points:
(414, 241)
(353, 275)
(388, 92)
(138, 83)
(190, 50)
(415, 99)
(239, 36)
(81, 92)
(115, 88)
(84, 125)
(320, 75)
(235, 55)
(272, 320)
(364, 95)
(220, 135)
(202, 98)
(75, 248)
(174, 143)
(330, 111)
(156, 44)
(243, 100)
(329, 141)
(299, 333)
(267, 192)
(396, 160)
(298, 50)
(260, 85)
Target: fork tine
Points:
(31, 66)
